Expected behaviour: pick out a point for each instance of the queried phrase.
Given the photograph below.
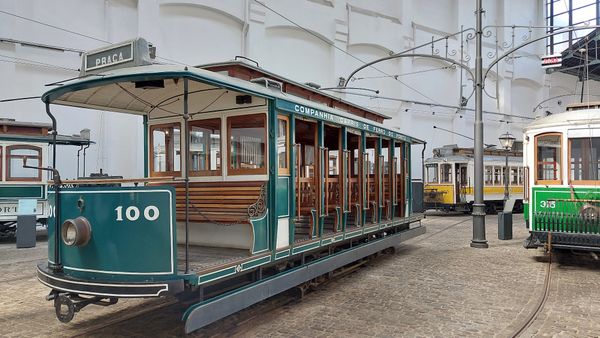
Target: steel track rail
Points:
(540, 304)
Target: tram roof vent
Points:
(269, 83)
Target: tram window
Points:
(497, 176)
(282, 145)
(488, 175)
(385, 151)
(166, 148)
(521, 170)
(548, 157)
(14, 160)
(446, 173)
(432, 173)
(514, 176)
(584, 159)
(205, 147)
(247, 144)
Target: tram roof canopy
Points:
(576, 117)
(157, 92)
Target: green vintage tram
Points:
(562, 196)
(254, 184)
(26, 140)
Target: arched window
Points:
(548, 158)
(15, 156)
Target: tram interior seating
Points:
(306, 181)
(219, 213)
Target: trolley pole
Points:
(478, 240)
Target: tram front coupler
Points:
(67, 304)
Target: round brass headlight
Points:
(76, 232)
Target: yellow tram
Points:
(449, 179)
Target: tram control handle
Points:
(505, 221)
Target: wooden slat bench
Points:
(219, 202)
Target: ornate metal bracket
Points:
(260, 206)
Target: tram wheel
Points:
(64, 308)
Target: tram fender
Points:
(202, 314)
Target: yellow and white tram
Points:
(449, 179)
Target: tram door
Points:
(354, 179)
(461, 182)
(400, 180)
(371, 184)
(307, 187)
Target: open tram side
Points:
(562, 193)
(254, 184)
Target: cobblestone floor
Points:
(433, 286)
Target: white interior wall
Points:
(202, 31)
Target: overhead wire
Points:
(30, 62)
(78, 34)
(342, 50)
(398, 75)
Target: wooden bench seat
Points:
(219, 202)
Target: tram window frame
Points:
(283, 171)
(521, 175)
(445, 177)
(1, 162)
(559, 161)
(436, 171)
(247, 171)
(513, 176)
(207, 172)
(9, 157)
(154, 173)
(497, 175)
(571, 167)
(488, 175)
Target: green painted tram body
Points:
(555, 211)
(562, 197)
(137, 243)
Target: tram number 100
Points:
(133, 213)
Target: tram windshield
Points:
(15, 157)
(446, 173)
(166, 148)
(432, 173)
(205, 147)
(548, 157)
(584, 159)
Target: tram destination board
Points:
(127, 54)
(109, 57)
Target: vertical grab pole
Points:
(57, 266)
(84, 150)
(78, 151)
(298, 183)
(186, 118)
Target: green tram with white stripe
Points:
(562, 160)
(254, 184)
(21, 140)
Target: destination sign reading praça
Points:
(109, 57)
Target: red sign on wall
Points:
(550, 61)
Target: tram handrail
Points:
(118, 180)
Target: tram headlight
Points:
(76, 232)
